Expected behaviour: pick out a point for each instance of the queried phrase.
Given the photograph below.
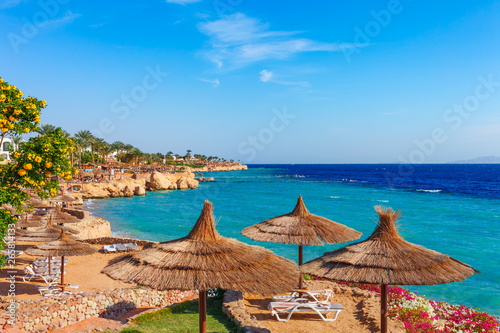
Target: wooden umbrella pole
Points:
(202, 303)
(50, 270)
(62, 273)
(301, 278)
(383, 308)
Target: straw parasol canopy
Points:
(30, 221)
(63, 198)
(302, 228)
(48, 233)
(61, 247)
(205, 260)
(385, 258)
(60, 217)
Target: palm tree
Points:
(98, 144)
(16, 141)
(128, 148)
(44, 129)
(117, 146)
(188, 155)
(84, 139)
(136, 153)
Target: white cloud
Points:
(265, 75)
(68, 18)
(183, 2)
(214, 83)
(238, 40)
(268, 76)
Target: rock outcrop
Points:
(128, 192)
(158, 181)
(140, 191)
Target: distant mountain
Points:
(478, 160)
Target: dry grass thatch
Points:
(205, 260)
(60, 217)
(386, 258)
(62, 198)
(63, 246)
(302, 228)
(48, 233)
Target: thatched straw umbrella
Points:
(302, 228)
(385, 258)
(61, 247)
(205, 260)
(62, 198)
(48, 233)
(60, 217)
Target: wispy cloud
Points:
(183, 2)
(265, 75)
(239, 40)
(4, 4)
(68, 18)
(268, 76)
(214, 83)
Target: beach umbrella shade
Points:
(30, 221)
(48, 233)
(205, 260)
(385, 258)
(60, 217)
(62, 247)
(301, 228)
(63, 198)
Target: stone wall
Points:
(48, 314)
(117, 240)
(234, 307)
(78, 213)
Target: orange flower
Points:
(48, 164)
(21, 172)
(28, 166)
(38, 159)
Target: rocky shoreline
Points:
(137, 185)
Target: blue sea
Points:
(452, 209)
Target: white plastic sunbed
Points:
(109, 248)
(120, 247)
(311, 293)
(132, 246)
(289, 308)
(31, 274)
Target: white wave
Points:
(430, 191)
(382, 200)
(334, 197)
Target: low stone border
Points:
(48, 314)
(117, 240)
(234, 307)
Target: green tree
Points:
(45, 129)
(32, 165)
(16, 141)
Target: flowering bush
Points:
(37, 163)
(420, 315)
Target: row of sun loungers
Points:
(120, 248)
(289, 304)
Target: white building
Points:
(5, 148)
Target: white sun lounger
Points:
(120, 247)
(289, 308)
(109, 248)
(132, 246)
(312, 293)
(31, 274)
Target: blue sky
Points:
(265, 82)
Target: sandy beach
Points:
(84, 270)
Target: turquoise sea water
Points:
(465, 227)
